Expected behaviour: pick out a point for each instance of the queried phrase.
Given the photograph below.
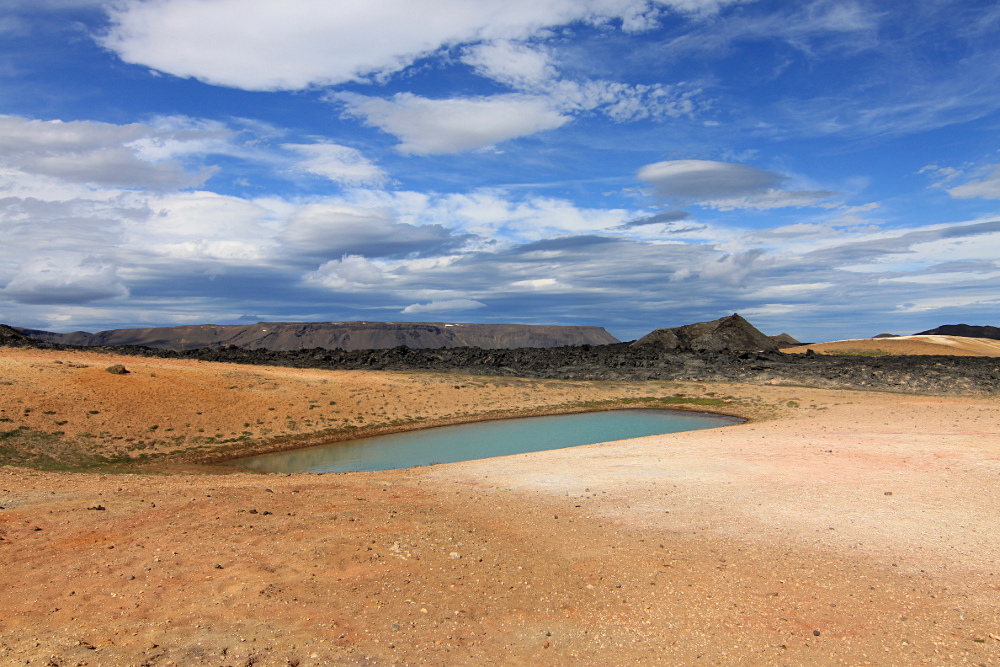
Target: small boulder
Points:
(117, 369)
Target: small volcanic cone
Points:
(731, 333)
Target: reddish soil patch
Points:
(848, 528)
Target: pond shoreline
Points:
(224, 459)
(483, 439)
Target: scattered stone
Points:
(218, 566)
(99, 508)
(816, 633)
(888, 493)
(117, 369)
(455, 555)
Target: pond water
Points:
(480, 440)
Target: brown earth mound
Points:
(333, 335)
(906, 345)
(732, 333)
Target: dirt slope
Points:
(906, 345)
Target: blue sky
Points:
(829, 169)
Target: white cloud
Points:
(446, 306)
(428, 126)
(707, 179)
(340, 164)
(103, 154)
(63, 278)
(725, 185)
(348, 272)
(516, 65)
(547, 284)
(987, 187)
(334, 228)
(945, 302)
(294, 44)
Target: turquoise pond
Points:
(480, 440)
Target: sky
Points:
(830, 169)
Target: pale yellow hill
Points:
(917, 345)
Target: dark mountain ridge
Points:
(282, 336)
(967, 330)
(617, 361)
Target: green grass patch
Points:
(54, 452)
(857, 353)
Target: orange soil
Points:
(167, 404)
(920, 345)
(848, 528)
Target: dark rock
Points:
(11, 337)
(117, 369)
(727, 334)
(785, 340)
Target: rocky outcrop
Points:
(785, 340)
(11, 337)
(728, 334)
(283, 336)
(967, 330)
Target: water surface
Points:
(480, 440)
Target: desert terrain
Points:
(961, 346)
(835, 527)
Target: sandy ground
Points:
(169, 405)
(961, 346)
(840, 527)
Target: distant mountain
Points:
(785, 340)
(280, 336)
(967, 330)
(728, 333)
(886, 335)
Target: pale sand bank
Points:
(961, 346)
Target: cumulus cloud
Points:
(294, 44)
(427, 126)
(340, 164)
(348, 272)
(445, 306)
